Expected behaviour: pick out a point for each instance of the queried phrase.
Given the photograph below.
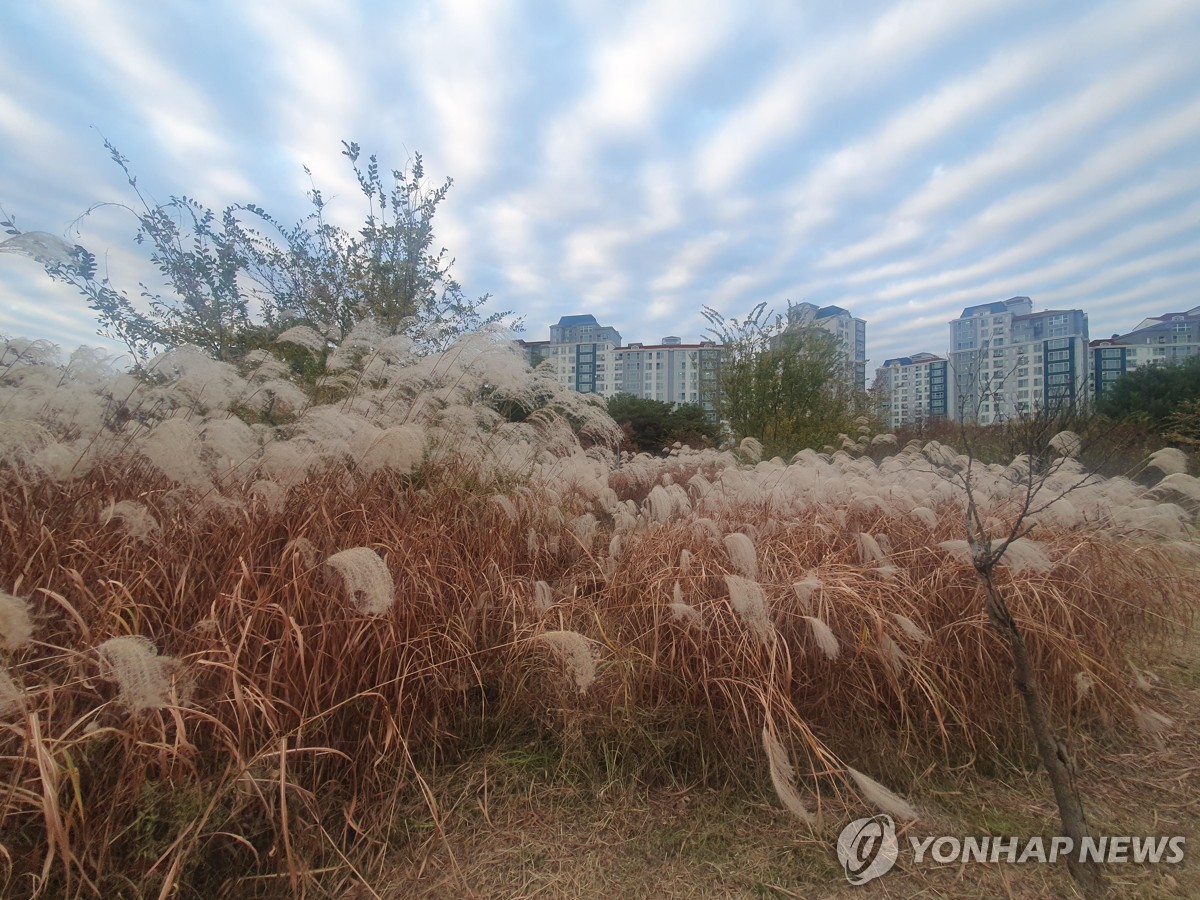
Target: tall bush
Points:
(234, 280)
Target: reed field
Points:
(246, 621)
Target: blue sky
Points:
(641, 160)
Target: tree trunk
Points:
(1053, 753)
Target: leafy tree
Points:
(784, 385)
(1153, 392)
(219, 268)
(691, 425)
(1183, 425)
(652, 425)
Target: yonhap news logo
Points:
(868, 848)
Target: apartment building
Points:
(914, 390)
(1007, 360)
(850, 331)
(536, 352)
(670, 370)
(578, 349)
(1156, 340)
(589, 358)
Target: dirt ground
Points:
(508, 826)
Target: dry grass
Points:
(299, 718)
(517, 826)
(343, 620)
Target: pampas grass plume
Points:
(12, 698)
(506, 506)
(882, 798)
(543, 597)
(305, 549)
(926, 515)
(748, 601)
(16, 624)
(143, 677)
(1168, 460)
(868, 549)
(1065, 443)
(783, 776)
(911, 628)
(272, 494)
(804, 589)
(742, 554)
(134, 518)
(576, 653)
(1024, 555)
(1151, 721)
(682, 611)
(893, 656)
(1083, 685)
(824, 637)
(367, 579)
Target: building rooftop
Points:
(1045, 312)
(999, 306)
(912, 360)
(826, 311)
(635, 345)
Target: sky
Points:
(641, 160)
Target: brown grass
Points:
(299, 728)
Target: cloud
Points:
(641, 160)
(634, 70)
(182, 119)
(463, 64)
(1013, 72)
(690, 262)
(1036, 145)
(791, 99)
(1086, 221)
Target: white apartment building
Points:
(1161, 339)
(671, 371)
(1007, 360)
(577, 348)
(589, 358)
(914, 390)
(850, 331)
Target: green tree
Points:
(784, 385)
(218, 268)
(1152, 393)
(1183, 425)
(651, 425)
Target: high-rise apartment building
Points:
(1007, 360)
(588, 357)
(914, 390)
(578, 348)
(671, 371)
(850, 332)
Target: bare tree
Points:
(1045, 443)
